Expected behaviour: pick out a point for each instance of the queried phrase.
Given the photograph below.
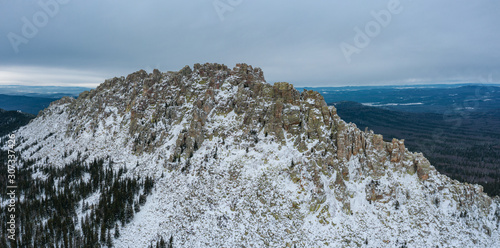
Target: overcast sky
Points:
(307, 43)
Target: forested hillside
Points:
(12, 120)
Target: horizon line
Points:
(299, 86)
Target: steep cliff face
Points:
(238, 161)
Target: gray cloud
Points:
(294, 41)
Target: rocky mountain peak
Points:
(239, 152)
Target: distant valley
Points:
(32, 99)
(24, 104)
(441, 99)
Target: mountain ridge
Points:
(238, 161)
(12, 120)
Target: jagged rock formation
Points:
(249, 163)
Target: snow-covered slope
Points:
(241, 163)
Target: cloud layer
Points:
(84, 42)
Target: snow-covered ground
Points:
(249, 194)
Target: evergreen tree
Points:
(142, 200)
(137, 208)
(103, 233)
(3, 242)
(162, 243)
(171, 242)
(109, 241)
(129, 213)
(117, 231)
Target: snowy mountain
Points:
(237, 162)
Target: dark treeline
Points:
(12, 120)
(49, 201)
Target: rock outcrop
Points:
(279, 165)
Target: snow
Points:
(391, 104)
(249, 198)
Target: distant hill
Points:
(25, 104)
(423, 99)
(42, 91)
(464, 147)
(12, 120)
